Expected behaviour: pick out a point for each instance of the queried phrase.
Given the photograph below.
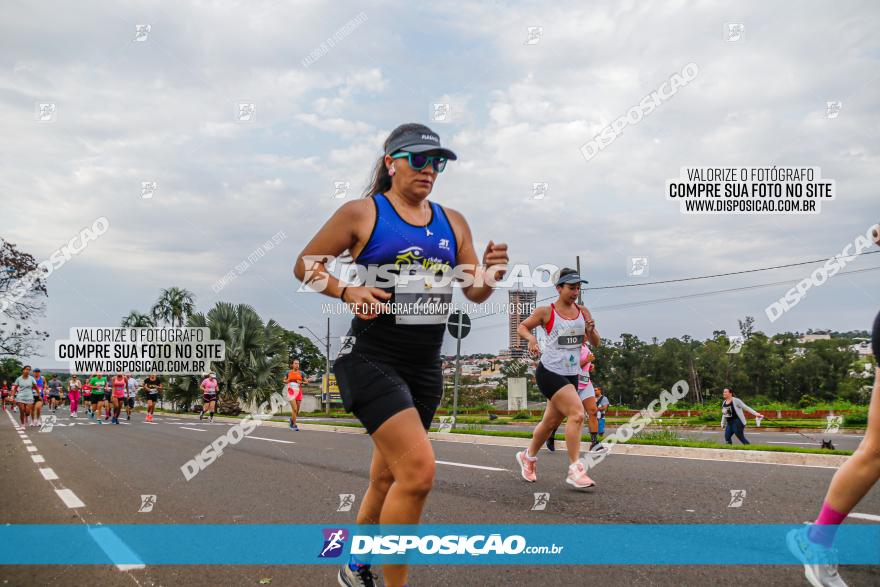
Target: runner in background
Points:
(108, 395)
(4, 394)
(39, 398)
(814, 544)
(153, 385)
(54, 386)
(87, 396)
(294, 382)
(587, 395)
(118, 385)
(96, 398)
(567, 326)
(131, 388)
(25, 391)
(73, 393)
(602, 405)
(209, 396)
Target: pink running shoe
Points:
(577, 476)
(527, 468)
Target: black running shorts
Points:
(96, 397)
(375, 389)
(549, 382)
(153, 397)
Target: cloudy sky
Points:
(164, 109)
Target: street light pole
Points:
(325, 386)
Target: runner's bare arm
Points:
(340, 233)
(537, 319)
(494, 262)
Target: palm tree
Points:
(137, 319)
(255, 360)
(174, 305)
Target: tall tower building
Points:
(521, 305)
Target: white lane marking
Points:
(271, 439)
(116, 549)
(31, 448)
(26, 441)
(870, 517)
(38, 458)
(48, 474)
(469, 466)
(196, 429)
(70, 499)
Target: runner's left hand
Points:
(496, 258)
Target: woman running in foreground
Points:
(813, 545)
(392, 377)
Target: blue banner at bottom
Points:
(454, 544)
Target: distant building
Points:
(813, 337)
(863, 347)
(521, 305)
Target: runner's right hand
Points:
(367, 301)
(534, 349)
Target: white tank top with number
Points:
(562, 348)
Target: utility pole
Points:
(327, 369)
(580, 285)
(457, 373)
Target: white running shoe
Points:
(577, 476)
(820, 563)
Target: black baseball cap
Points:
(419, 141)
(569, 276)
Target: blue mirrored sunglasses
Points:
(419, 161)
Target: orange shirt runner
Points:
(294, 385)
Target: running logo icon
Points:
(440, 112)
(535, 34)
(638, 267)
(541, 501)
(737, 497)
(340, 189)
(735, 32)
(540, 189)
(334, 542)
(147, 503)
(148, 188)
(736, 344)
(834, 423)
(142, 32)
(47, 423)
(446, 423)
(832, 108)
(346, 500)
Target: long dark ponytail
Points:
(380, 181)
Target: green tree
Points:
(256, 354)
(137, 319)
(311, 358)
(23, 296)
(173, 307)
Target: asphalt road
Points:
(279, 476)
(841, 440)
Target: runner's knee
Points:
(417, 477)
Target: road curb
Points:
(681, 452)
